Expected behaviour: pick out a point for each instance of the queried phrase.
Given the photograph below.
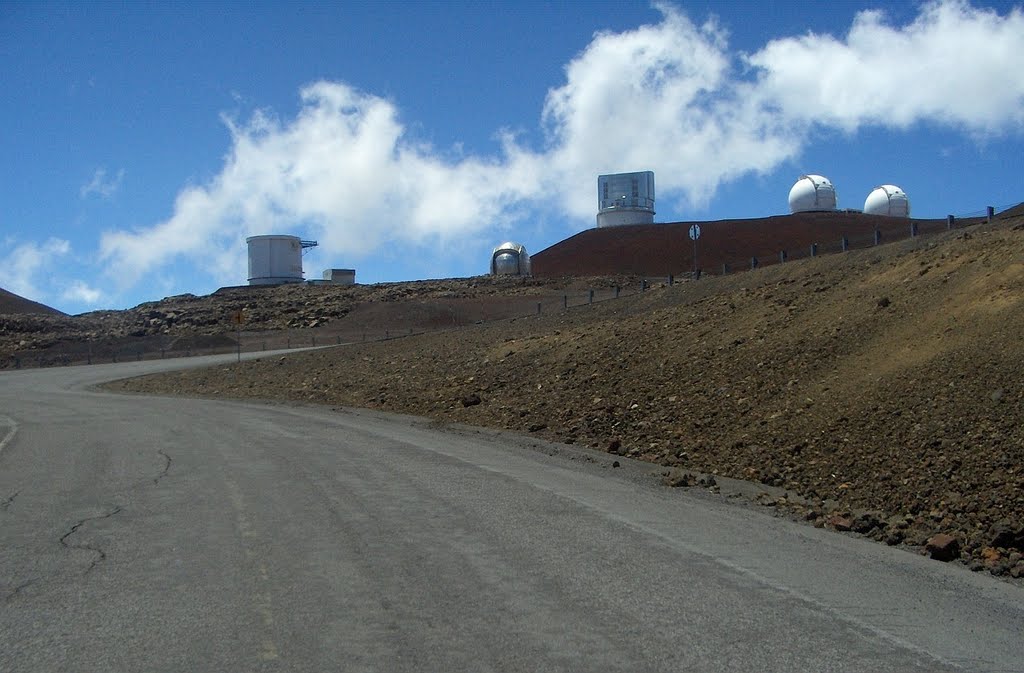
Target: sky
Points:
(142, 142)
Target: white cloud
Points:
(28, 267)
(954, 64)
(669, 97)
(100, 185)
(80, 292)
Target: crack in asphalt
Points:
(18, 589)
(101, 555)
(4, 504)
(167, 467)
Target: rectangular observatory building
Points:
(625, 198)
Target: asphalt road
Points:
(158, 534)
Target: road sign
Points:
(237, 317)
(694, 232)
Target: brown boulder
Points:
(943, 547)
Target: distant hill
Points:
(11, 303)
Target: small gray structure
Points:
(340, 276)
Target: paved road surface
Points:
(156, 534)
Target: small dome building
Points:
(812, 193)
(887, 200)
(510, 259)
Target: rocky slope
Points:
(883, 389)
(54, 338)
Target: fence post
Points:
(338, 339)
(17, 362)
(989, 213)
(671, 280)
(753, 262)
(913, 229)
(590, 297)
(643, 285)
(617, 291)
(313, 339)
(950, 221)
(264, 345)
(814, 249)
(878, 236)
(387, 334)
(565, 301)
(538, 308)
(783, 256)
(845, 242)
(288, 342)
(725, 269)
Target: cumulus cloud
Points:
(101, 185)
(26, 268)
(954, 64)
(670, 97)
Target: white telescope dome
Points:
(887, 200)
(810, 193)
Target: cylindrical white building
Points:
(625, 198)
(887, 200)
(811, 193)
(510, 259)
(274, 259)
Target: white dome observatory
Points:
(625, 198)
(276, 259)
(887, 200)
(510, 259)
(811, 193)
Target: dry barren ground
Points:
(883, 389)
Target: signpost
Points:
(694, 235)
(238, 317)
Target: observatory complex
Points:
(625, 198)
(627, 242)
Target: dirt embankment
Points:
(883, 388)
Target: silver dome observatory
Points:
(812, 193)
(887, 200)
(510, 259)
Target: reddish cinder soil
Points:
(883, 388)
(666, 249)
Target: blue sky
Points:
(142, 142)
